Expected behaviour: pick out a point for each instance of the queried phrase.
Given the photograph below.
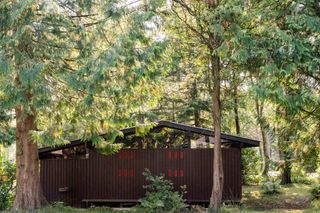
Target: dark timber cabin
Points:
(78, 175)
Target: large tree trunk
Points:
(285, 165)
(216, 195)
(28, 191)
(286, 173)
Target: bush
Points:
(302, 180)
(160, 196)
(315, 205)
(251, 166)
(315, 192)
(271, 187)
(253, 179)
(7, 188)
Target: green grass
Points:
(294, 198)
(60, 208)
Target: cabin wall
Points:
(119, 176)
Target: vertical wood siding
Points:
(119, 176)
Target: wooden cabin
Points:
(79, 175)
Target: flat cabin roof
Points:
(226, 138)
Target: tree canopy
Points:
(76, 69)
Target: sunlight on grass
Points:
(293, 198)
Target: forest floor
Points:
(293, 198)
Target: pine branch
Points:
(83, 15)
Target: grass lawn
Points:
(60, 208)
(293, 198)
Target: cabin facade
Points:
(78, 175)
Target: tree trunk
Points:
(194, 96)
(265, 151)
(286, 173)
(235, 103)
(196, 117)
(28, 191)
(283, 145)
(173, 111)
(285, 166)
(216, 195)
(236, 112)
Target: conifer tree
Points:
(70, 69)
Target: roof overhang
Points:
(242, 141)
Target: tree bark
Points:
(29, 194)
(235, 103)
(196, 118)
(286, 173)
(173, 110)
(265, 170)
(194, 96)
(236, 112)
(266, 157)
(216, 195)
(285, 167)
(283, 144)
(286, 163)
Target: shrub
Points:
(315, 192)
(315, 205)
(253, 179)
(160, 196)
(7, 188)
(271, 187)
(302, 180)
(251, 166)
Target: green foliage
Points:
(160, 196)
(299, 175)
(253, 179)
(315, 205)
(315, 192)
(250, 170)
(7, 132)
(104, 144)
(62, 61)
(143, 130)
(302, 180)
(271, 187)
(7, 187)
